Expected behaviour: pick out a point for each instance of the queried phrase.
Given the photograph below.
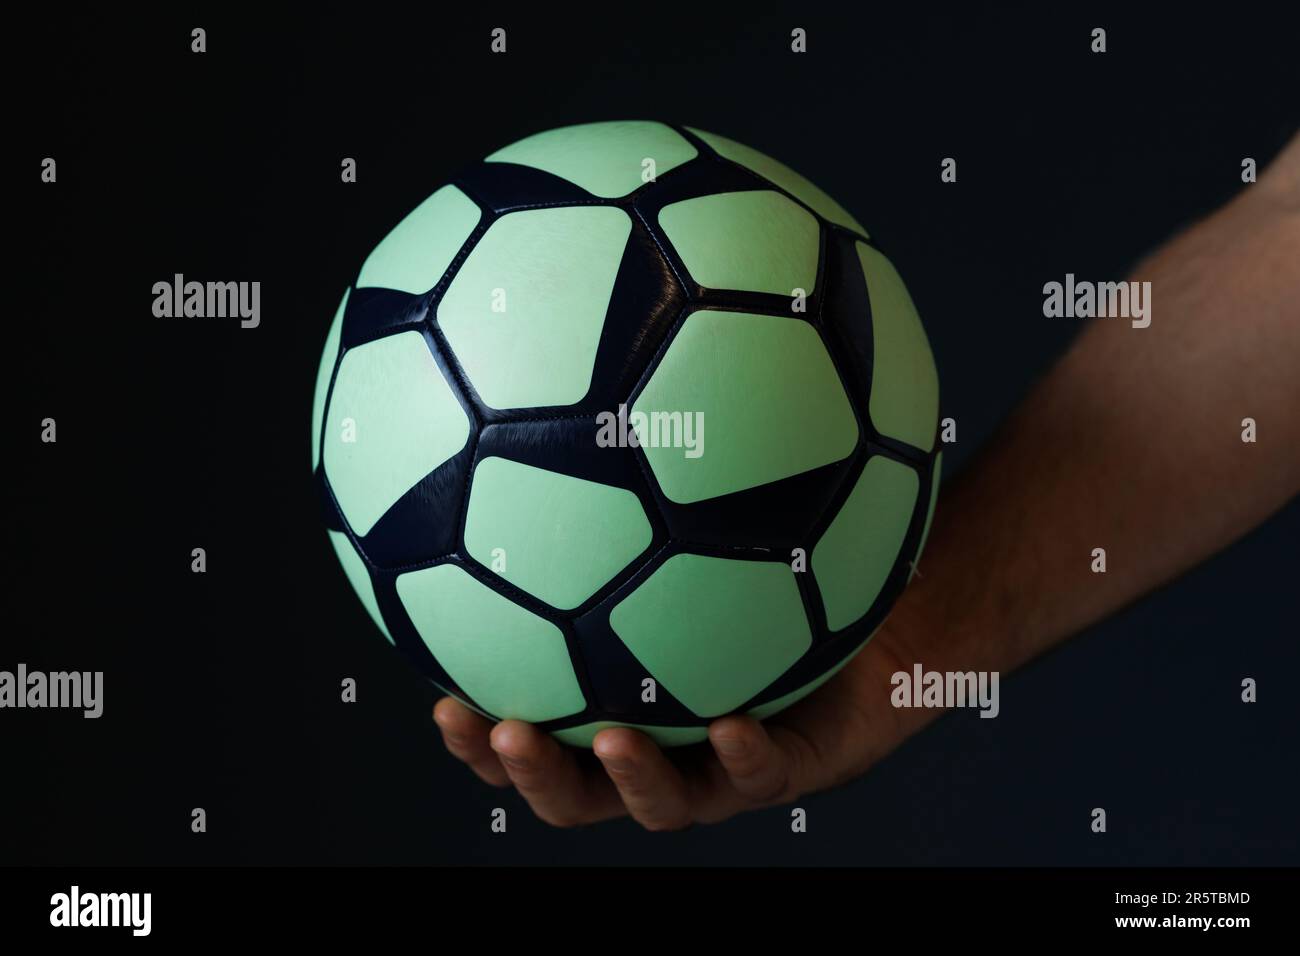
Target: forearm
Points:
(1132, 443)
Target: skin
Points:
(1100, 449)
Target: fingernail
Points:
(731, 746)
(615, 765)
(456, 740)
(514, 763)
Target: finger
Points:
(549, 777)
(651, 788)
(465, 735)
(761, 766)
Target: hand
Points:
(1130, 440)
(827, 738)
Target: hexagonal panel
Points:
(392, 419)
(355, 569)
(904, 382)
(853, 559)
(557, 537)
(768, 397)
(324, 372)
(783, 176)
(606, 159)
(525, 312)
(413, 257)
(756, 241)
(512, 662)
(714, 631)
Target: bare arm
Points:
(1132, 443)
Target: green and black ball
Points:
(627, 424)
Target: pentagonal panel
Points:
(413, 257)
(355, 569)
(904, 382)
(525, 311)
(756, 241)
(783, 176)
(760, 397)
(854, 557)
(606, 159)
(557, 537)
(392, 419)
(512, 662)
(324, 372)
(714, 631)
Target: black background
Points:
(222, 690)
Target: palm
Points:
(825, 739)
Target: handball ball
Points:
(628, 424)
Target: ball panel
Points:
(510, 661)
(781, 175)
(525, 311)
(566, 446)
(846, 321)
(714, 631)
(644, 307)
(423, 524)
(905, 384)
(929, 512)
(616, 679)
(557, 537)
(605, 159)
(324, 373)
(392, 419)
(378, 313)
(776, 516)
(765, 390)
(764, 711)
(755, 241)
(355, 569)
(413, 257)
(860, 548)
(584, 734)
